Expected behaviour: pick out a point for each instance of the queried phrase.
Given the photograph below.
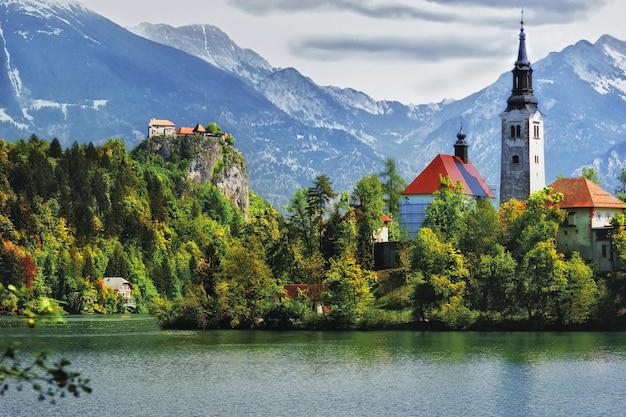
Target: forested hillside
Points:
(69, 218)
(158, 217)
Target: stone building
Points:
(587, 227)
(523, 165)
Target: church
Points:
(522, 169)
(417, 196)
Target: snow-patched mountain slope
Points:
(210, 44)
(70, 73)
(580, 92)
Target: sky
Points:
(412, 51)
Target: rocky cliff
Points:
(211, 160)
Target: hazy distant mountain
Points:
(72, 74)
(581, 91)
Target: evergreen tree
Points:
(393, 185)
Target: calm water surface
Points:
(138, 370)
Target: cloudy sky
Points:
(414, 51)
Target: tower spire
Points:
(522, 56)
(522, 91)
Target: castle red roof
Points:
(583, 193)
(185, 131)
(199, 129)
(449, 166)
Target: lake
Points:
(138, 370)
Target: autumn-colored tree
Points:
(528, 223)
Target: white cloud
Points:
(410, 50)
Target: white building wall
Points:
(537, 175)
(602, 218)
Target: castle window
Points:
(515, 159)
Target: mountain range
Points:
(72, 74)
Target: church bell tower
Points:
(523, 166)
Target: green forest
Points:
(71, 217)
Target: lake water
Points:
(138, 370)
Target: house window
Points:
(515, 159)
(604, 251)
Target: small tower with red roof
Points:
(419, 193)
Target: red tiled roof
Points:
(184, 131)
(292, 290)
(449, 166)
(583, 193)
(313, 291)
(199, 128)
(386, 218)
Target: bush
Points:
(285, 315)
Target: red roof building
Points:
(312, 291)
(590, 209)
(199, 129)
(185, 131)
(419, 193)
(427, 182)
(158, 127)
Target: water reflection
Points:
(196, 373)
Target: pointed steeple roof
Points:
(522, 57)
(522, 92)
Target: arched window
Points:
(519, 131)
(512, 131)
(515, 159)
